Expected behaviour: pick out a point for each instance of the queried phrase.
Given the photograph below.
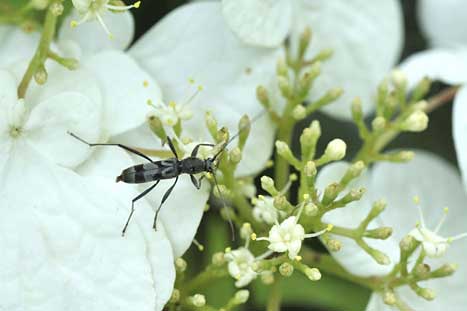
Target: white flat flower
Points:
(264, 210)
(363, 54)
(288, 237)
(60, 230)
(398, 184)
(240, 266)
(95, 9)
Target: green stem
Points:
(275, 297)
(42, 51)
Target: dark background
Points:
(437, 138)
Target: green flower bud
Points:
(244, 127)
(246, 231)
(280, 202)
(262, 96)
(281, 68)
(218, 259)
(286, 269)
(379, 256)
(378, 124)
(389, 298)
(175, 298)
(284, 86)
(381, 233)
(40, 76)
(305, 39)
(155, 124)
(241, 296)
(310, 209)
(421, 89)
(330, 193)
(56, 8)
(354, 171)
(415, 122)
(444, 271)
(352, 195)
(180, 264)
(299, 112)
(267, 183)
(284, 151)
(235, 155)
(335, 150)
(422, 270)
(211, 124)
(267, 277)
(313, 274)
(198, 300)
(408, 244)
(426, 293)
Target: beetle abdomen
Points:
(148, 172)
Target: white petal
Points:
(459, 130)
(181, 213)
(125, 95)
(70, 240)
(8, 98)
(431, 178)
(49, 123)
(366, 37)
(259, 22)
(294, 248)
(228, 70)
(93, 39)
(443, 22)
(10, 39)
(448, 66)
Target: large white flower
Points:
(366, 37)
(398, 184)
(60, 230)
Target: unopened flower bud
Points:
(198, 300)
(56, 8)
(244, 127)
(241, 296)
(378, 207)
(305, 39)
(378, 123)
(286, 269)
(284, 86)
(335, 150)
(354, 171)
(267, 183)
(156, 126)
(280, 202)
(235, 155)
(399, 78)
(408, 243)
(41, 75)
(380, 257)
(310, 209)
(218, 259)
(211, 124)
(445, 270)
(389, 298)
(307, 79)
(421, 89)
(246, 231)
(357, 110)
(380, 233)
(313, 274)
(180, 264)
(416, 122)
(299, 112)
(310, 169)
(426, 293)
(284, 151)
(332, 244)
(422, 270)
(262, 96)
(175, 296)
(267, 277)
(330, 193)
(353, 195)
(281, 68)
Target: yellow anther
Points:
(329, 227)
(293, 177)
(227, 250)
(145, 83)
(149, 102)
(111, 36)
(200, 88)
(191, 80)
(172, 104)
(449, 240)
(253, 236)
(298, 258)
(73, 24)
(446, 210)
(261, 197)
(137, 4)
(269, 164)
(306, 196)
(416, 199)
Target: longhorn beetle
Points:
(167, 169)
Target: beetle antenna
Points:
(232, 230)
(253, 120)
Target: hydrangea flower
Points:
(398, 184)
(240, 266)
(363, 54)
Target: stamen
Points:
(199, 245)
(123, 7)
(443, 218)
(313, 235)
(265, 255)
(458, 237)
(420, 212)
(86, 17)
(101, 21)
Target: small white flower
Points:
(288, 236)
(240, 266)
(435, 245)
(336, 149)
(170, 114)
(416, 122)
(264, 210)
(95, 9)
